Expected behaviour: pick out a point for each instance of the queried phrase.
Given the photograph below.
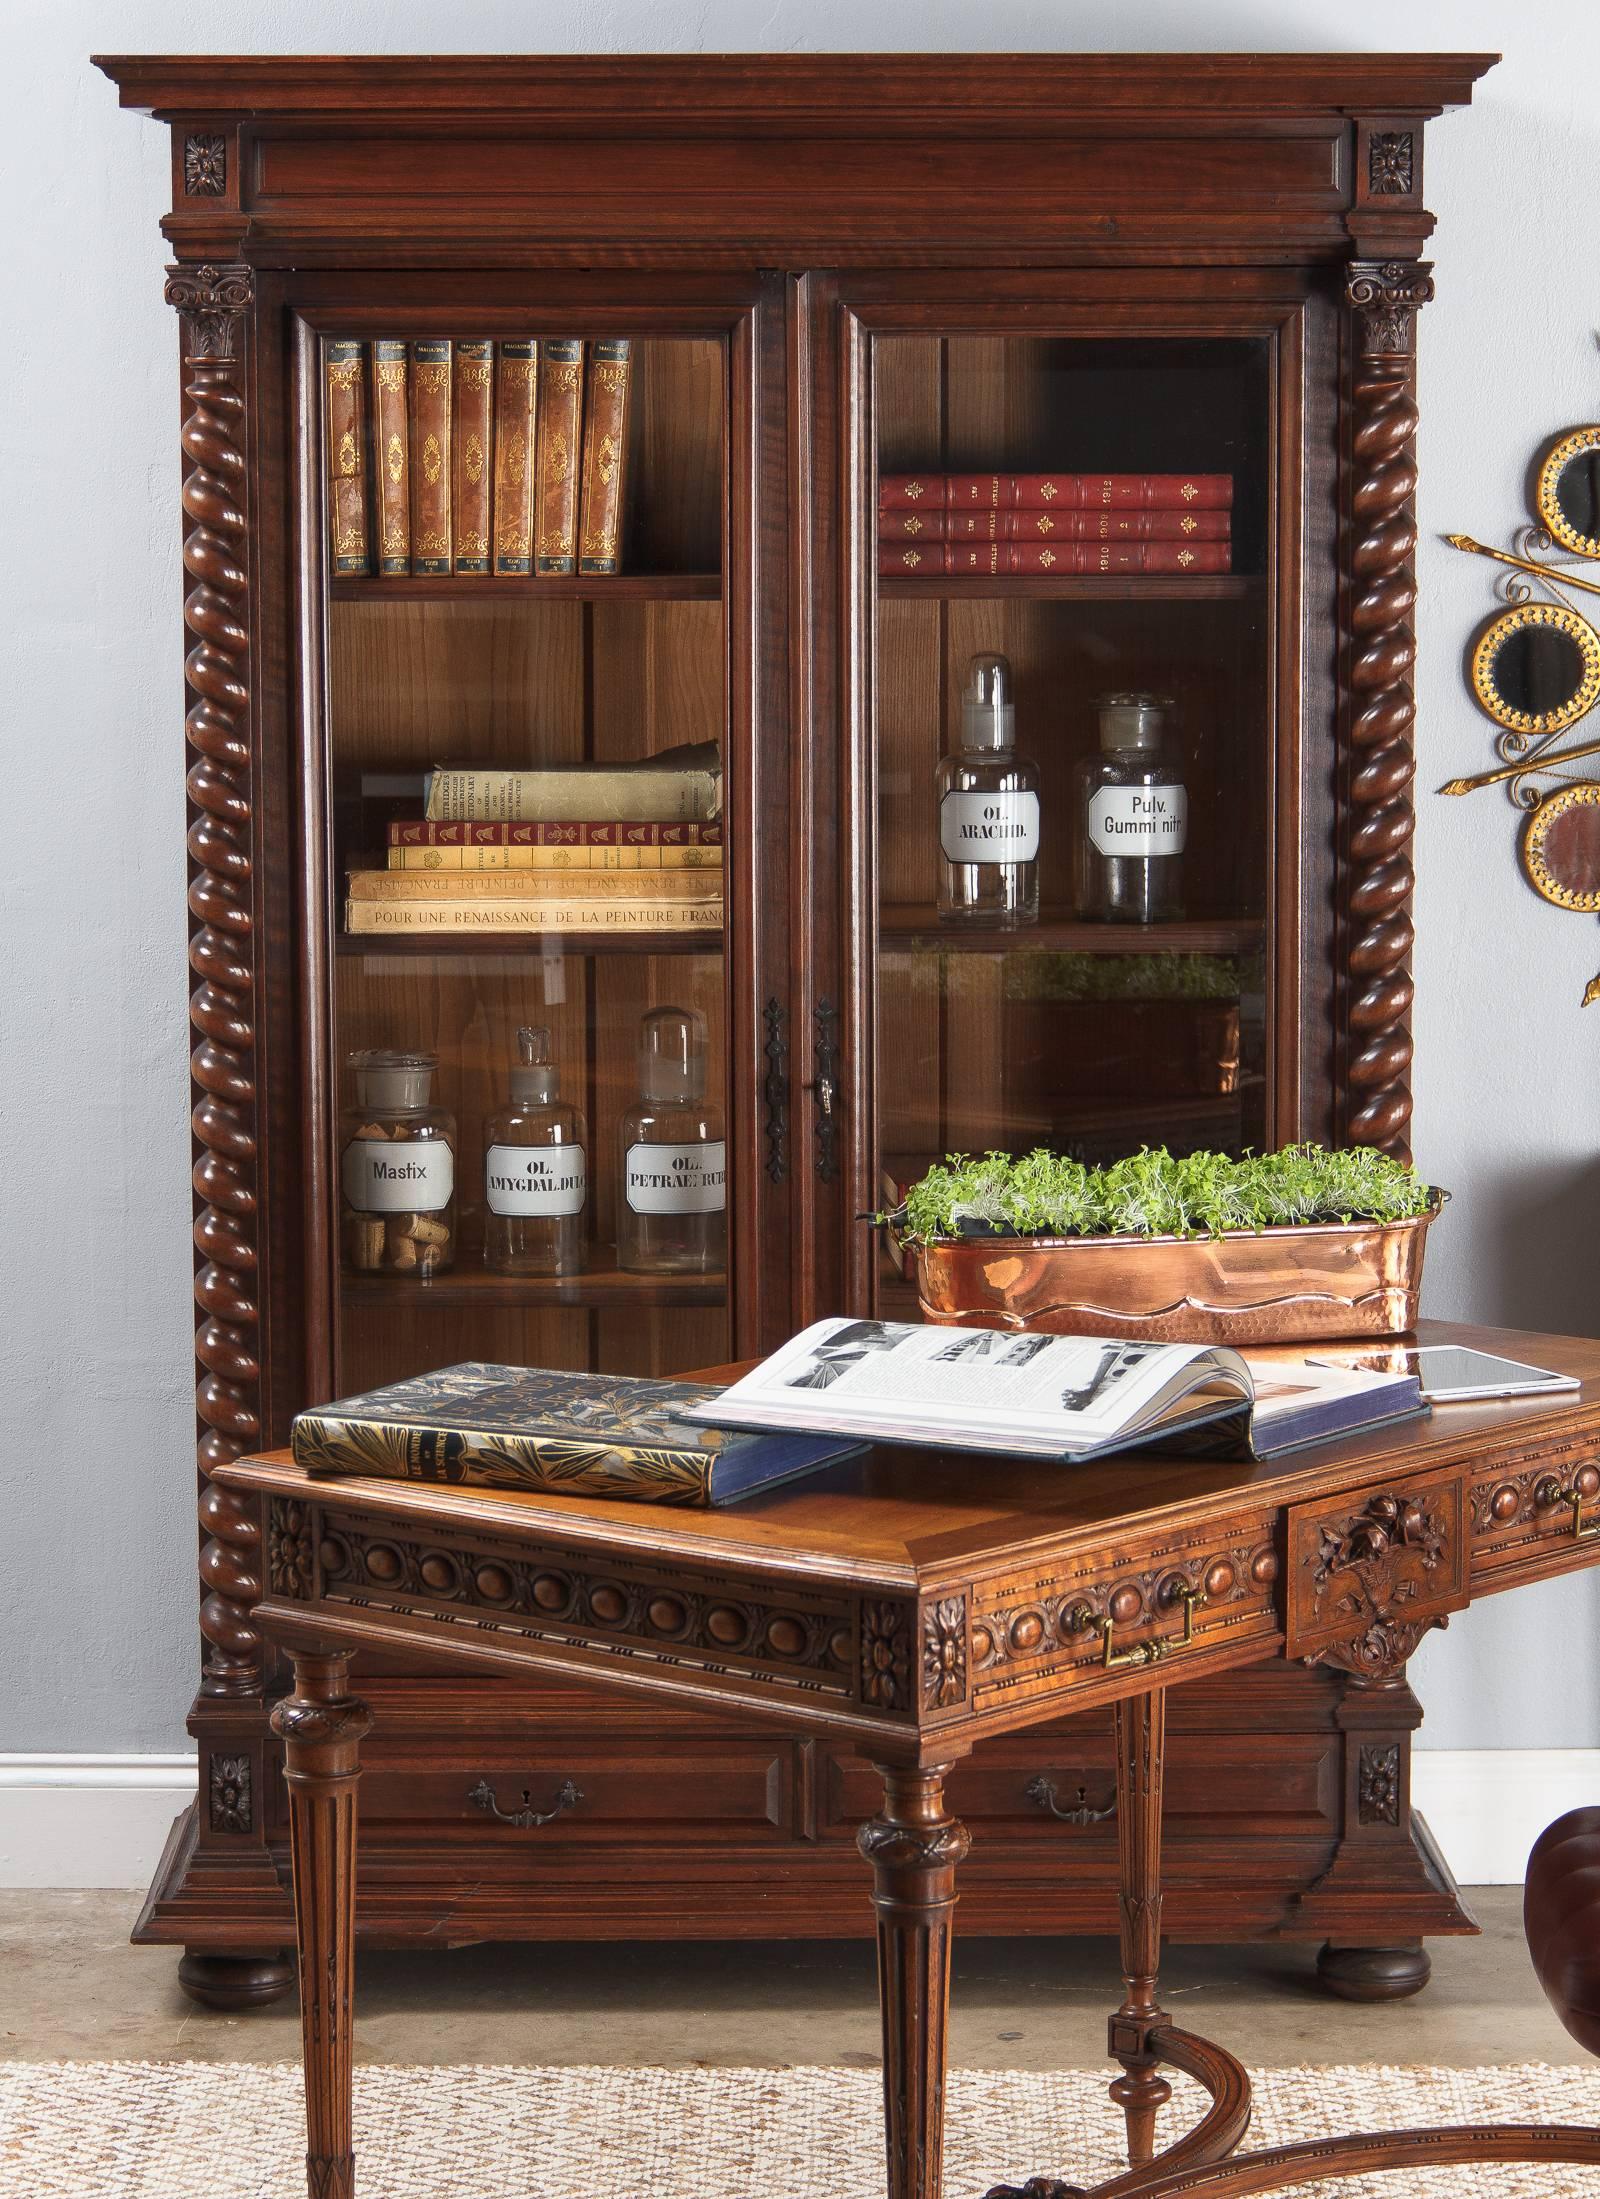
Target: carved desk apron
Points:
(909, 1603)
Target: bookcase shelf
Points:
(547, 587)
(918, 931)
(602, 1285)
(1075, 587)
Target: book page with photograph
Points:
(984, 1389)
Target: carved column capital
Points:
(213, 298)
(1384, 296)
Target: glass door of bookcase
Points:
(525, 667)
(1072, 684)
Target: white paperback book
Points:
(1035, 1395)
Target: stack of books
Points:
(1055, 523)
(462, 455)
(605, 848)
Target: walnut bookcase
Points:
(831, 268)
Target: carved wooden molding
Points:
(944, 1653)
(231, 1802)
(1378, 1783)
(1391, 164)
(1378, 708)
(215, 302)
(805, 1643)
(205, 165)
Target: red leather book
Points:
(609, 832)
(605, 451)
(516, 373)
(1038, 525)
(346, 373)
(1054, 491)
(430, 455)
(556, 475)
(473, 436)
(903, 559)
(392, 461)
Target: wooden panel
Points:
(1376, 1567)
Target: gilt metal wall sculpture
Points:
(1535, 670)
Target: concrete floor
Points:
(72, 1988)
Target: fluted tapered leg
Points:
(1141, 1724)
(321, 1725)
(914, 1847)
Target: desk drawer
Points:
(1179, 1595)
(1536, 1516)
(1376, 1567)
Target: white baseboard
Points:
(1487, 1807)
(88, 1820)
(101, 1820)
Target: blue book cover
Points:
(592, 1435)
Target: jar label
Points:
(535, 1179)
(989, 828)
(1139, 820)
(677, 1179)
(398, 1175)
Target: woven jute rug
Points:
(175, 2130)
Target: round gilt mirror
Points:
(1568, 494)
(1561, 847)
(1536, 669)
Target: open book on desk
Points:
(1038, 1396)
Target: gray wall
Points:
(95, 1322)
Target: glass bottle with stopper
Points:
(535, 1170)
(988, 799)
(397, 1168)
(1133, 816)
(672, 1215)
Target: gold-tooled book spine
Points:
(516, 382)
(430, 455)
(392, 454)
(575, 884)
(565, 860)
(535, 912)
(605, 455)
(556, 477)
(647, 1474)
(473, 436)
(345, 367)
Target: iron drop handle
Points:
(527, 1819)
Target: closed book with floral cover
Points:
(591, 1435)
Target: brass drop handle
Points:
(1550, 1495)
(1142, 1653)
(1044, 1792)
(527, 1819)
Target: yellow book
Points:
(519, 885)
(458, 917)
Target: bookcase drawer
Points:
(589, 1794)
(1537, 1505)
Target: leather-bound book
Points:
(1040, 525)
(473, 437)
(903, 559)
(1055, 491)
(347, 467)
(556, 481)
(392, 455)
(430, 455)
(605, 451)
(516, 374)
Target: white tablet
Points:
(1450, 1372)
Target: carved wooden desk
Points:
(907, 1604)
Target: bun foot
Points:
(234, 1983)
(1374, 1973)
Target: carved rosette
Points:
(1379, 707)
(215, 303)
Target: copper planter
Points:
(1278, 1286)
